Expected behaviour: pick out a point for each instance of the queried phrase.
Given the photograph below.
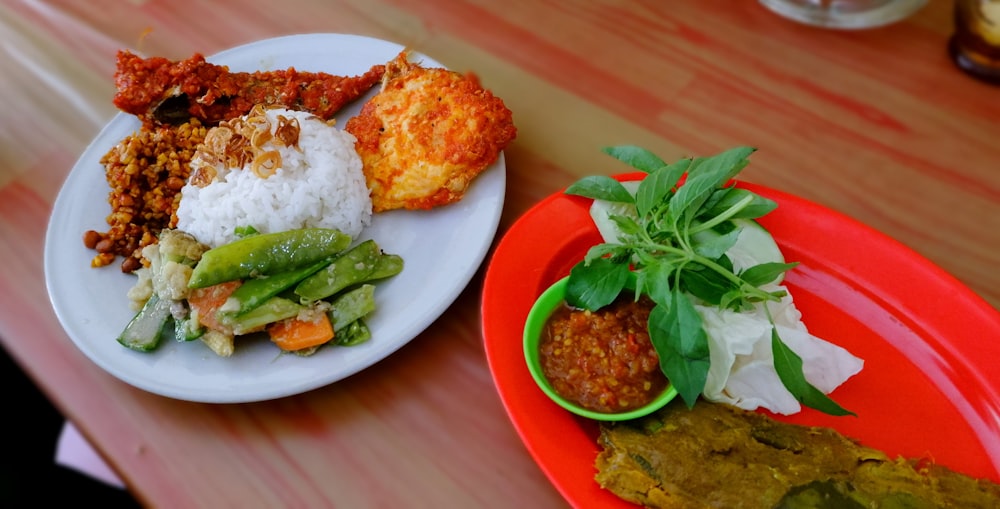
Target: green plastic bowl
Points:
(550, 300)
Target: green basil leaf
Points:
(707, 285)
(606, 250)
(600, 187)
(653, 279)
(713, 246)
(679, 338)
(789, 367)
(735, 300)
(719, 169)
(726, 263)
(636, 157)
(626, 225)
(595, 285)
(704, 177)
(655, 189)
(723, 199)
(765, 272)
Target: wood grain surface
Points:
(876, 124)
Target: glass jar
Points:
(846, 14)
(975, 45)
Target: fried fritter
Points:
(427, 134)
(717, 455)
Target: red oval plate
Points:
(928, 388)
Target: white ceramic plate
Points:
(441, 249)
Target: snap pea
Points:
(253, 292)
(267, 254)
(272, 310)
(351, 306)
(350, 267)
(387, 265)
(187, 329)
(355, 333)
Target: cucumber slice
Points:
(601, 210)
(144, 331)
(754, 246)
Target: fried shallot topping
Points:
(241, 141)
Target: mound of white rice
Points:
(319, 184)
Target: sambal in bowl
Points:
(597, 364)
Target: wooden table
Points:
(876, 124)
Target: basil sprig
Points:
(658, 254)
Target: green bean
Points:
(253, 292)
(351, 267)
(351, 306)
(267, 254)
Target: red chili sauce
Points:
(211, 93)
(602, 360)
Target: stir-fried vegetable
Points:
(145, 330)
(305, 288)
(267, 254)
(254, 292)
(206, 302)
(351, 267)
(297, 333)
(164, 283)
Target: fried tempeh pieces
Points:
(162, 91)
(427, 134)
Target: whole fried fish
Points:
(162, 91)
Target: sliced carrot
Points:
(207, 301)
(297, 333)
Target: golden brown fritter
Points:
(427, 134)
(717, 455)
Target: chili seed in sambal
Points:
(602, 360)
